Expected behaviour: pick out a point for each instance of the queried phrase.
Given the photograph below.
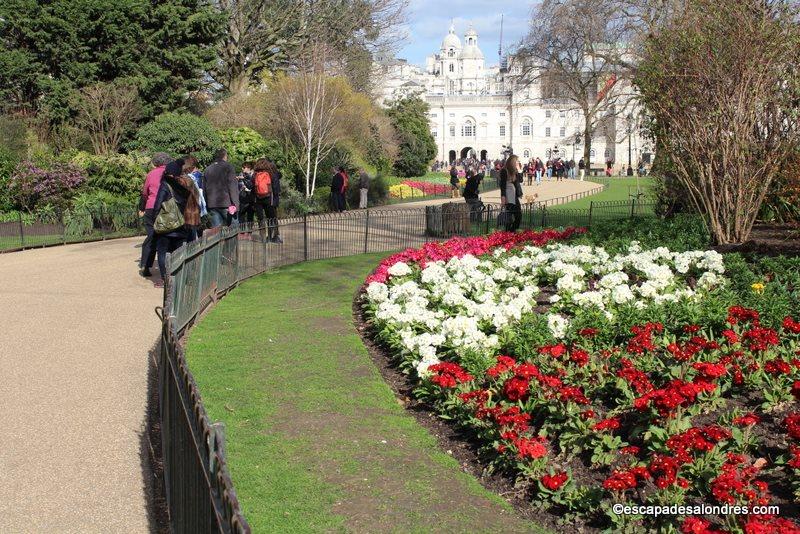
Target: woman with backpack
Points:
(177, 210)
(262, 193)
(511, 192)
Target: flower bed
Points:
(598, 378)
(429, 188)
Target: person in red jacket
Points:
(146, 202)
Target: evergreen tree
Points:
(409, 117)
(48, 50)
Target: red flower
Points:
(710, 371)
(504, 363)
(448, 374)
(612, 423)
(696, 525)
(579, 357)
(790, 325)
(731, 336)
(623, 480)
(691, 329)
(747, 419)
(664, 470)
(530, 447)
(556, 351)
(588, 332)
(553, 482)
(635, 378)
(642, 340)
(739, 314)
(516, 389)
(574, 394)
(794, 461)
(777, 367)
(633, 450)
(769, 524)
(760, 339)
(792, 423)
(796, 389)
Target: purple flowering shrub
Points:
(32, 187)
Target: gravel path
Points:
(77, 327)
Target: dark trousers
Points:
(247, 213)
(514, 217)
(338, 201)
(165, 244)
(265, 211)
(148, 247)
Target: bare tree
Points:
(721, 83)
(266, 37)
(575, 57)
(105, 111)
(306, 108)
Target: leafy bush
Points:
(31, 187)
(8, 163)
(118, 174)
(679, 233)
(178, 134)
(245, 144)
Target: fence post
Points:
(633, 206)
(305, 237)
(591, 207)
(544, 215)
(488, 213)
(21, 231)
(366, 231)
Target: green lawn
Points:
(618, 189)
(316, 440)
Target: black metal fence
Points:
(20, 231)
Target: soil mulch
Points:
(769, 240)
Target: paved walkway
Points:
(77, 324)
(547, 190)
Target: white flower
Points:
(557, 325)
(377, 292)
(399, 269)
(622, 294)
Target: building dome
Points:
(471, 52)
(451, 40)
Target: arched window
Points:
(452, 68)
(468, 129)
(526, 154)
(608, 154)
(451, 53)
(526, 127)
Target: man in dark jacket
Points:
(337, 189)
(221, 190)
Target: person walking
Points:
(172, 187)
(363, 189)
(453, 182)
(262, 194)
(191, 170)
(511, 192)
(337, 189)
(582, 169)
(147, 200)
(539, 171)
(246, 195)
(221, 190)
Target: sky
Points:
(429, 20)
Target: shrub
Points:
(117, 174)
(178, 134)
(31, 187)
(245, 144)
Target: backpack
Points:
(263, 184)
(169, 217)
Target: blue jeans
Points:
(220, 217)
(538, 176)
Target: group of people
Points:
(340, 183)
(179, 201)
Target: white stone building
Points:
(477, 111)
